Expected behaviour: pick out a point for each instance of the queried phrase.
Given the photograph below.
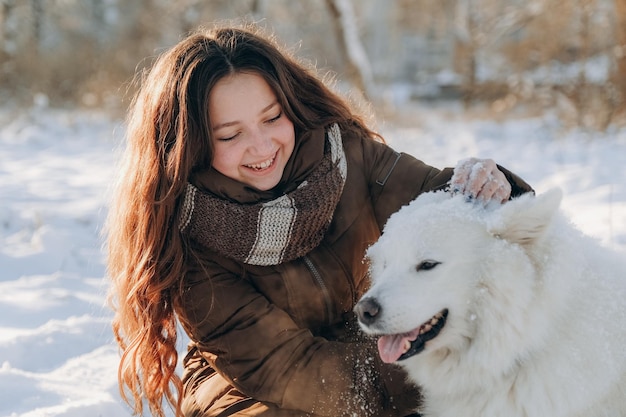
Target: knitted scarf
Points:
(274, 231)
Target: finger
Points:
(479, 176)
(497, 188)
(461, 175)
(503, 191)
(488, 191)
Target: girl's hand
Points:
(480, 179)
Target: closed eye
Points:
(427, 265)
(228, 138)
(274, 119)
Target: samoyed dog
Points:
(499, 311)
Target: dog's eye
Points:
(426, 265)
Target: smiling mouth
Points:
(397, 347)
(263, 165)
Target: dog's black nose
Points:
(367, 310)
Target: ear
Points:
(526, 218)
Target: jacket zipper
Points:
(322, 285)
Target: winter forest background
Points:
(568, 55)
(538, 85)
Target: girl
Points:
(247, 198)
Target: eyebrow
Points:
(226, 124)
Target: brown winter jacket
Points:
(282, 340)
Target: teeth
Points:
(424, 328)
(407, 346)
(262, 165)
(429, 326)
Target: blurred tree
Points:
(359, 68)
(501, 52)
(482, 28)
(8, 37)
(259, 8)
(619, 52)
(38, 12)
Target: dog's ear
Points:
(525, 219)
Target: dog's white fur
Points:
(537, 311)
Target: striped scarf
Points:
(275, 231)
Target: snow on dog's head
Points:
(437, 261)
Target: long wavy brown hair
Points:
(168, 137)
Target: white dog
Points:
(504, 311)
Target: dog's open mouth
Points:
(396, 347)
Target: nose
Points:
(261, 142)
(367, 310)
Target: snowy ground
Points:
(56, 352)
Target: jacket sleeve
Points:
(398, 178)
(263, 353)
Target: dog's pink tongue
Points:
(391, 347)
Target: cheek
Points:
(226, 158)
(287, 135)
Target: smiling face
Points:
(252, 136)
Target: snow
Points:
(57, 355)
